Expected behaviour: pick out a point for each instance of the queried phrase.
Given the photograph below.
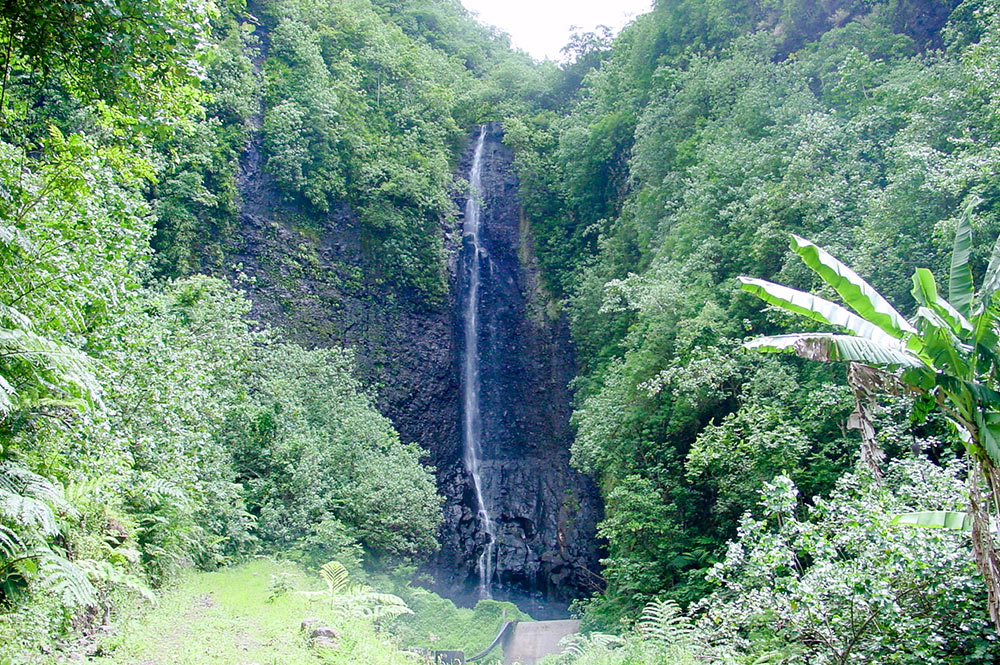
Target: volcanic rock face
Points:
(545, 513)
(312, 277)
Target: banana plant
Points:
(947, 356)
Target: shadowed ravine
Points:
(541, 512)
(519, 522)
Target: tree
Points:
(109, 49)
(948, 358)
(836, 582)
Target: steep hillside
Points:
(344, 231)
(706, 136)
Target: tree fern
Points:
(166, 489)
(66, 580)
(75, 492)
(44, 370)
(18, 480)
(365, 603)
(28, 513)
(104, 572)
(356, 600)
(28, 501)
(335, 576)
(10, 544)
(28, 521)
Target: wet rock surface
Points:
(545, 512)
(311, 275)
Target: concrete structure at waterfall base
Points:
(523, 642)
(530, 641)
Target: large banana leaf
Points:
(992, 280)
(856, 292)
(936, 519)
(984, 325)
(941, 348)
(925, 292)
(829, 347)
(960, 288)
(815, 308)
(989, 434)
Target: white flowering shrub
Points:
(837, 582)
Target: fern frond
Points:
(57, 369)
(7, 394)
(11, 317)
(335, 576)
(119, 554)
(77, 490)
(663, 621)
(366, 595)
(106, 572)
(152, 490)
(578, 644)
(18, 480)
(64, 579)
(29, 513)
(384, 611)
(605, 640)
(10, 544)
(364, 603)
(574, 644)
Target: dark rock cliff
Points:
(309, 275)
(545, 513)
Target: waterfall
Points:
(472, 424)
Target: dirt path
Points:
(225, 617)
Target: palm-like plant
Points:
(948, 357)
(28, 521)
(356, 600)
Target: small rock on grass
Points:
(324, 643)
(325, 632)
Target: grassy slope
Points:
(437, 623)
(224, 617)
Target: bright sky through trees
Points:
(542, 27)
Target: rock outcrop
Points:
(310, 275)
(545, 513)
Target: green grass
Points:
(436, 623)
(226, 618)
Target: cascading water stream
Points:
(472, 424)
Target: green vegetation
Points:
(252, 612)
(437, 623)
(946, 360)
(838, 582)
(706, 135)
(756, 506)
(246, 613)
(148, 426)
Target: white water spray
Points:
(472, 425)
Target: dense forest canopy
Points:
(148, 424)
